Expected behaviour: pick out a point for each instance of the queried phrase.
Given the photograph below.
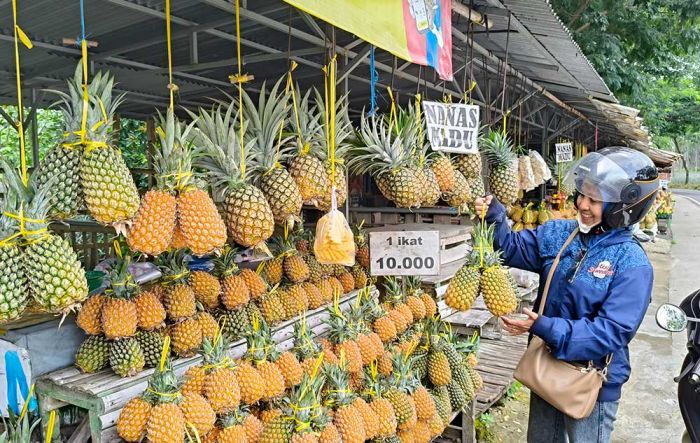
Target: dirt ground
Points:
(507, 422)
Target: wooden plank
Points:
(456, 253)
(81, 433)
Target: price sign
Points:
(404, 252)
(663, 183)
(565, 152)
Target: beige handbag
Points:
(571, 388)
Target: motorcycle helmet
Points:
(624, 179)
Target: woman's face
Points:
(591, 210)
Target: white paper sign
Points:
(404, 252)
(452, 127)
(565, 152)
(663, 183)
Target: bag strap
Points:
(555, 263)
(548, 283)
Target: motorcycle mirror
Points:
(671, 318)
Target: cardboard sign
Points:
(565, 152)
(404, 253)
(452, 127)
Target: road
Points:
(649, 407)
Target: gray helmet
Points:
(624, 179)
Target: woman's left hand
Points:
(517, 327)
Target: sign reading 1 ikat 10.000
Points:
(452, 127)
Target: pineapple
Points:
(256, 285)
(503, 178)
(359, 277)
(277, 430)
(271, 307)
(179, 300)
(131, 424)
(166, 422)
(315, 268)
(234, 291)
(439, 370)
(498, 293)
(186, 337)
(179, 240)
(343, 132)
(305, 408)
(444, 172)
(431, 187)
(306, 168)
(126, 357)
(402, 384)
(119, 313)
(193, 380)
(361, 246)
(13, 282)
(425, 405)
(469, 165)
(93, 354)
(293, 264)
(220, 384)
(381, 407)
(273, 271)
(261, 352)
(90, 315)
(388, 158)
(269, 150)
(305, 348)
(233, 428)
(151, 312)
(343, 334)
(458, 398)
(290, 368)
(338, 395)
(56, 280)
(234, 324)
(151, 343)
(208, 324)
(313, 294)
(348, 281)
(477, 381)
(198, 413)
(464, 286)
(460, 195)
(206, 289)
(250, 382)
(247, 213)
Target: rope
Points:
(331, 129)
(23, 231)
(373, 77)
(20, 36)
(171, 85)
(240, 79)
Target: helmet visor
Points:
(598, 177)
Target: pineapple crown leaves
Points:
(18, 429)
(101, 107)
(261, 347)
(266, 122)
(403, 377)
(122, 284)
(173, 159)
(218, 146)
(225, 264)
(173, 265)
(214, 353)
(29, 203)
(305, 405)
(163, 386)
(393, 291)
(361, 237)
(341, 328)
(337, 392)
(498, 149)
(380, 150)
(234, 418)
(304, 345)
(343, 127)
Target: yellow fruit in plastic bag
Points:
(335, 243)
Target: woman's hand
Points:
(481, 204)
(517, 327)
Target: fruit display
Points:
(665, 204)
(503, 169)
(482, 274)
(530, 216)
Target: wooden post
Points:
(468, 426)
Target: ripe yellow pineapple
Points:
(90, 315)
(220, 383)
(291, 369)
(503, 175)
(179, 300)
(250, 382)
(256, 285)
(444, 172)
(194, 380)
(253, 428)
(131, 424)
(186, 337)
(469, 165)
(271, 307)
(314, 295)
(417, 307)
(179, 240)
(206, 288)
(348, 281)
(464, 286)
(119, 313)
(198, 413)
(369, 418)
(201, 224)
(273, 271)
(153, 228)
(247, 214)
(208, 324)
(430, 305)
(498, 293)
(460, 195)
(151, 312)
(234, 291)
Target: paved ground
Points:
(649, 409)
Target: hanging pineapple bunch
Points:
(247, 214)
(388, 156)
(178, 204)
(270, 149)
(55, 277)
(464, 287)
(14, 293)
(503, 174)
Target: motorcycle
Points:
(674, 318)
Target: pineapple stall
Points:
(231, 290)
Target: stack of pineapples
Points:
(483, 273)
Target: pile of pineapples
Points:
(529, 216)
(483, 274)
(354, 384)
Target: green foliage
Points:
(50, 124)
(483, 425)
(18, 431)
(513, 389)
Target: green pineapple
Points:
(464, 381)
(126, 357)
(56, 278)
(403, 382)
(270, 150)
(93, 354)
(247, 213)
(235, 323)
(503, 178)
(458, 398)
(14, 294)
(151, 343)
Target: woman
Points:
(599, 292)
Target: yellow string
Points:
(392, 114)
(23, 231)
(419, 122)
(20, 36)
(194, 430)
(240, 79)
(331, 118)
(50, 427)
(295, 106)
(171, 86)
(26, 402)
(165, 353)
(86, 96)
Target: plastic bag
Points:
(334, 243)
(540, 168)
(526, 174)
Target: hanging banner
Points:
(418, 31)
(452, 127)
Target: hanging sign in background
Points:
(452, 127)
(565, 152)
(404, 252)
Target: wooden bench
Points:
(104, 394)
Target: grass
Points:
(693, 186)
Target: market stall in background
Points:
(300, 259)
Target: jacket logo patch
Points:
(604, 269)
